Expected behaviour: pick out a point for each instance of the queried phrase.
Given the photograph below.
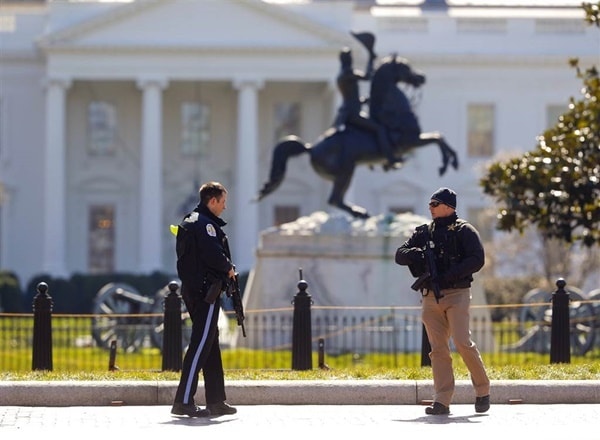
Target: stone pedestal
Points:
(346, 262)
(352, 279)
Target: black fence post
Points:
(172, 336)
(560, 338)
(42, 329)
(321, 355)
(112, 357)
(425, 349)
(301, 331)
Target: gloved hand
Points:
(416, 255)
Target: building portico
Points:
(104, 53)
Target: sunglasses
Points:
(434, 204)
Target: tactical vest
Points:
(447, 251)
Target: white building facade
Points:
(113, 113)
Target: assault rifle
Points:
(431, 273)
(430, 261)
(233, 292)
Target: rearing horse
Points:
(336, 153)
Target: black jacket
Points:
(458, 251)
(206, 250)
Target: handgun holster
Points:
(213, 291)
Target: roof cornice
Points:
(116, 14)
(65, 36)
(185, 50)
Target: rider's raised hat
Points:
(445, 196)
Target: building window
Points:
(553, 112)
(8, 23)
(101, 245)
(102, 128)
(287, 119)
(560, 26)
(480, 119)
(195, 128)
(481, 26)
(411, 25)
(285, 214)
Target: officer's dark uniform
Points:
(213, 257)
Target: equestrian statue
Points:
(390, 130)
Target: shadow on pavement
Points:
(445, 419)
(197, 421)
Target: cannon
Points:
(535, 321)
(134, 320)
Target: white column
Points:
(245, 238)
(151, 183)
(55, 229)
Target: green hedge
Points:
(76, 294)
(11, 295)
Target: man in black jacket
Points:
(203, 265)
(458, 253)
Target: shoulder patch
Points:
(210, 230)
(191, 218)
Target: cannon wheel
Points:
(537, 314)
(594, 295)
(109, 322)
(157, 328)
(536, 303)
(583, 324)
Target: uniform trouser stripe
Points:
(199, 349)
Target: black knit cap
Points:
(445, 196)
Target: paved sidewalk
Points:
(354, 409)
(347, 422)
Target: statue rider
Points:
(350, 112)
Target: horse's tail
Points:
(290, 147)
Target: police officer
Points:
(458, 254)
(203, 265)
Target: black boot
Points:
(220, 409)
(189, 409)
(437, 409)
(482, 404)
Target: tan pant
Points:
(450, 318)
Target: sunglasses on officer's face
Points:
(434, 204)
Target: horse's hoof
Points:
(360, 213)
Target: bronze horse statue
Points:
(337, 152)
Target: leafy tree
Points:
(10, 293)
(592, 13)
(556, 187)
